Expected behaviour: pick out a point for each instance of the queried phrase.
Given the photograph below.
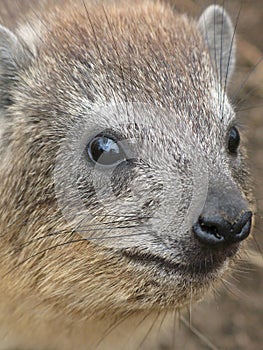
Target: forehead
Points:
(147, 44)
(145, 54)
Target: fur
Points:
(67, 272)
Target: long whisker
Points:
(100, 54)
(44, 251)
(90, 238)
(175, 315)
(15, 221)
(149, 330)
(161, 323)
(249, 108)
(125, 90)
(113, 326)
(229, 56)
(221, 55)
(241, 86)
(199, 335)
(37, 219)
(215, 55)
(215, 76)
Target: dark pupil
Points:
(104, 150)
(233, 140)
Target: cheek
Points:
(122, 178)
(241, 174)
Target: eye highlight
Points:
(105, 150)
(233, 140)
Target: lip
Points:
(150, 259)
(204, 264)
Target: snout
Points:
(226, 218)
(216, 230)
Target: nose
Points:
(216, 230)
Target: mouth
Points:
(200, 264)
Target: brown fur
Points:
(68, 294)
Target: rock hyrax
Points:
(124, 187)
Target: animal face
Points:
(130, 173)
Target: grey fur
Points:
(10, 49)
(145, 73)
(218, 32)
(13, 56)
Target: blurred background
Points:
(233, 318)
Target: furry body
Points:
(78, 69)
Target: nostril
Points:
(210, 230)
(242, 227)
(216, 230)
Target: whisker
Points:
(37, 219)
(70, 242)
(161, 323)
(257, 245)
(125, 90)
(149, 330)
(239, 89)
(255, 258)
(215, 55)
(198, 334)
(232, 289)
(100, 54)
(141, 321)
(221, 57)
(44, 251)
(12, 222)
(112, 327)
(249, 108)
(175, 314)
(90, 238)
(230, 53)
(215, 76)
(244, 99)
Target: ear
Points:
(13, 56)
(218, 32)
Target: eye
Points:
(233, 140)
(105, 150)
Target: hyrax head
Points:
(125, 173)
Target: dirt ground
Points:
(234, 318)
